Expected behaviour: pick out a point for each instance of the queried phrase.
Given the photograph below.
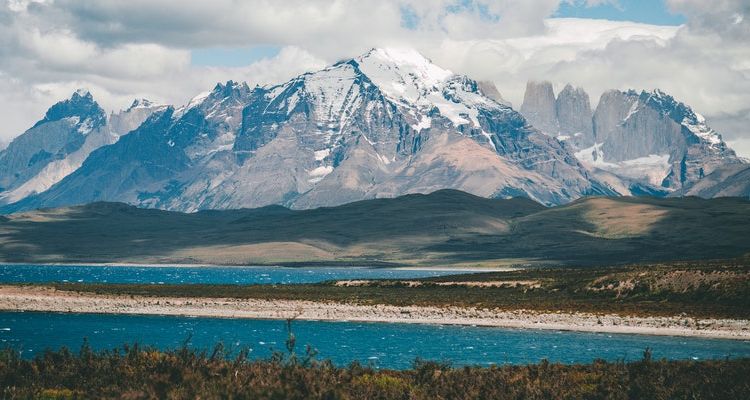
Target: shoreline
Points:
(208, 265)
(45, 299)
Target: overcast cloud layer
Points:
(141, 48)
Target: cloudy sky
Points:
(171, 50)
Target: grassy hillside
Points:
(445, 227)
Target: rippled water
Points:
(384, 345)
(209, 275)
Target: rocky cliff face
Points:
(573, 110)
(566, 117)
(650, 135)
(386, 123)
(58, 144)
(613, 108)
(539, 107)
(638, 143)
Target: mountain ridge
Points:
(70, 131)
(446, 227)
(635, 141)
(376, 120)
(383, 124)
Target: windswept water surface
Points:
(384, 345)
(30, 273)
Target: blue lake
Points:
(208, 275)
(383, 345)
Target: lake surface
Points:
(207, 275)
(383, 345)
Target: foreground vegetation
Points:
(699, 290)
(134, 373)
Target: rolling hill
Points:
(447, 227)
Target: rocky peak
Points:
(650, 133)
(619, 107)
(614, 107)
(574, 114)
(667, 105)
(81, 105)
(402, 74)
(539, 107)
(65, 129)
(230, 89)
(402, 62)
(125, 121)
(140, 103)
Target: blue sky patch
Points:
(232, 57)
(643, 11)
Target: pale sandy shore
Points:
(32, 298)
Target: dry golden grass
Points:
(613, 219)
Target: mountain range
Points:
(387, 123)
(637, 142)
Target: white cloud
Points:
(741, 146)
(549, 55)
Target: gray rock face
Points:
(638, 143)
(652, 134)
(139, 162)
(613, 108)
(573, 110)
(539, 107)
(387, 123)
(566, 117)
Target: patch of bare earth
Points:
(613, 219)
(677, 281)
(257, 252)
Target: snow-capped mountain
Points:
(62, 131)
(58, 144)
(383, 124)
(636, 142)
(386, 123)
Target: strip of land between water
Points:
(48, 299)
